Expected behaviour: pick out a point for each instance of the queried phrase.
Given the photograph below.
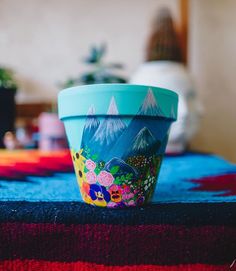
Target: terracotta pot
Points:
(117, 135)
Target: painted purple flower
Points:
(105, 178)
(99, 195)
(90, 165)
(91, 177)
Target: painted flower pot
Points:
(117, 134)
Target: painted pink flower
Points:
(127, 196)
(131, 203)
(105, 178)
(91, 177)
(136, 191)
(90, 165)
(126, 189)
(112, 204)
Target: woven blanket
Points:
(44, 225)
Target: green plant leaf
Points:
(97, 170)
(94, 157)
(7, 80)
(114, 170)
(117, 180)
(129, 176)
(123, 178)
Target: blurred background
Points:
(186, 45)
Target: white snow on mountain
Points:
(112, 110)
(91, 122)
(91, 110)
(111, 128)
(143, 140)
(150, 106)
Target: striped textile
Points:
(190, 224)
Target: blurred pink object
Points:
(52, 132)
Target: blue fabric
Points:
(174, 184)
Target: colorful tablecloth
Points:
(190, 224)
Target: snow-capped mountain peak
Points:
(112, 110)
(150, 106)
(144, 143)
(91, 122)
(109, 130)
(91, 110)
(143, 140)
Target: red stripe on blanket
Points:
(20, 164)
(117, 244)
(29, 265)
(226, 184)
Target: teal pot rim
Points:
(128, 98)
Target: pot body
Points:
(7, 112)
(117, 150)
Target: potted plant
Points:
(99, 73)
(8, 87)
(51, 129)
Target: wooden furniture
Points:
(31, 110)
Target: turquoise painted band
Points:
(76, 101)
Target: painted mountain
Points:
(90, 127)
(157, 130)
(108, 131)
(150, 106)
(124, 168)
(143, 144)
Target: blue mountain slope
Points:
(158, 127)
(109, 130)
(143, 144)
(90, 127)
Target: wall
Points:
(212, 60)
(45, 40)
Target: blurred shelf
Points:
(31, 110)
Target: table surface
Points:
(189, 224)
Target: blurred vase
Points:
(174, 76)
(52, 132)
